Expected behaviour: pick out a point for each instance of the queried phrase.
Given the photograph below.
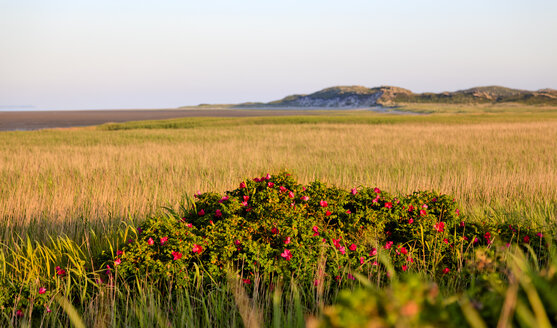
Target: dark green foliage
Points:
(274, 227)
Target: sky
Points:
(77, 54)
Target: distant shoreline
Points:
(36, 120)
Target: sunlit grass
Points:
(64, 180)
(476, 108)
(82, 182)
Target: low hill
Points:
(359, 96)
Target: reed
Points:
(71, 180)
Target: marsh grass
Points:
(476, 108)
(72, 181)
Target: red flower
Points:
(163, 240)
(19, 313)
(223, 199)
(373, 252)
(377, 191)
(354, 191)
(42, 290)
(189, 225)
(352, 247)
(304, 198)
(423, 213)
(440, 226)
(267, 177)
(404, 267)
(242, 185)
(315, 230)
(274, 231)
(218, 213)
(350, 276)
(389, 205)
(282, 189)
(291, 194)
(287, 240)
(342, 250)
(197, 249)
(117, 262)
(336, 242)
(446, 270)
(60, 271)
(526, 239)
(323, 203)
(410, 221)
(246, 281)
(388, 245)
(201, 213)
(176, 256)
(286, 255)
(270, 184)
(445, 240)
(328, 213)
(403, 250)
(410, 208)
(150, 241)
(119, 253)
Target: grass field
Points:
(501, 167)
(57, 178)
(477, 108)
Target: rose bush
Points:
(274, 227)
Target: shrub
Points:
(274, 227)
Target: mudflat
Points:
(34, 120)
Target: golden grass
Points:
(57, 177)
(476, 108)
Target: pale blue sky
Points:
(78, 54)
